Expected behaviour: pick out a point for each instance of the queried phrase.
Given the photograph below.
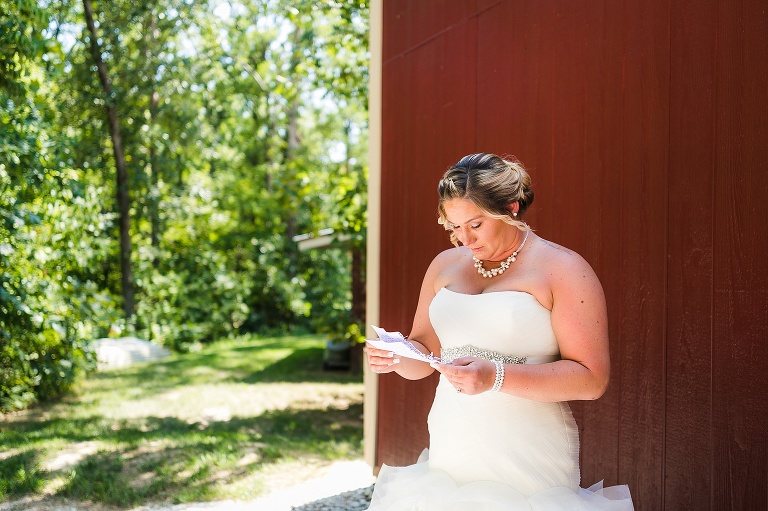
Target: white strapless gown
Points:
(493, 451)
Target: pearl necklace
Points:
(504, 264)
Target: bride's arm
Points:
(422, 335)
(580, 323)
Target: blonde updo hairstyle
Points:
(492, 183)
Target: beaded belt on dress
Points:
(450, 354)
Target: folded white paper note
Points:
(399, 345)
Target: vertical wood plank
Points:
(508, 77)
(540, 151)
(569, 83)
(643, 138)
(409, 24)
(688, 442)
(739, 210)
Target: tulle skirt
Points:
(419, 488)
(495, 452)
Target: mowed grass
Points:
(234, 421)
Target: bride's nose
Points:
(465, 237)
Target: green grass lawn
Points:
(234, 421)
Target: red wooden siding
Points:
(645, 128)
(689, 428)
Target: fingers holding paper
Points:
(381, 361)
(468, 375)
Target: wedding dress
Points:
(493, 451)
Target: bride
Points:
(521, 327)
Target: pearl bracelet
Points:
(499, 376)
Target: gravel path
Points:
(347, 486)
(355, 500)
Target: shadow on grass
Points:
(20, 474)
(155, 459)
(305, 365)
(241, 364)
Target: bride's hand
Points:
(469, 375)
(381, 361)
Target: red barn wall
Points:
(644, 126)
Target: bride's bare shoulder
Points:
(447, 262)
(561, 261)
(452, 256)
(551, 249)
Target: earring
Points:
(514, 214)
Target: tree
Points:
(123, 200)
(47, 299)
(232, 131)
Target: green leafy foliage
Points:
(243, 125)
(48, 303)
(20, 23)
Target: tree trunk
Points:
(292, 146)
(154, 193)
(123, 201)
(358, 252)
(154, 104)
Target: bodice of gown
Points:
(529, 445)
(509, 322)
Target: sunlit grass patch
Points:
(20, 474)
(222, 423)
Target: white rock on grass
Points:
(124, 351)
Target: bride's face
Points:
(488, 238)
